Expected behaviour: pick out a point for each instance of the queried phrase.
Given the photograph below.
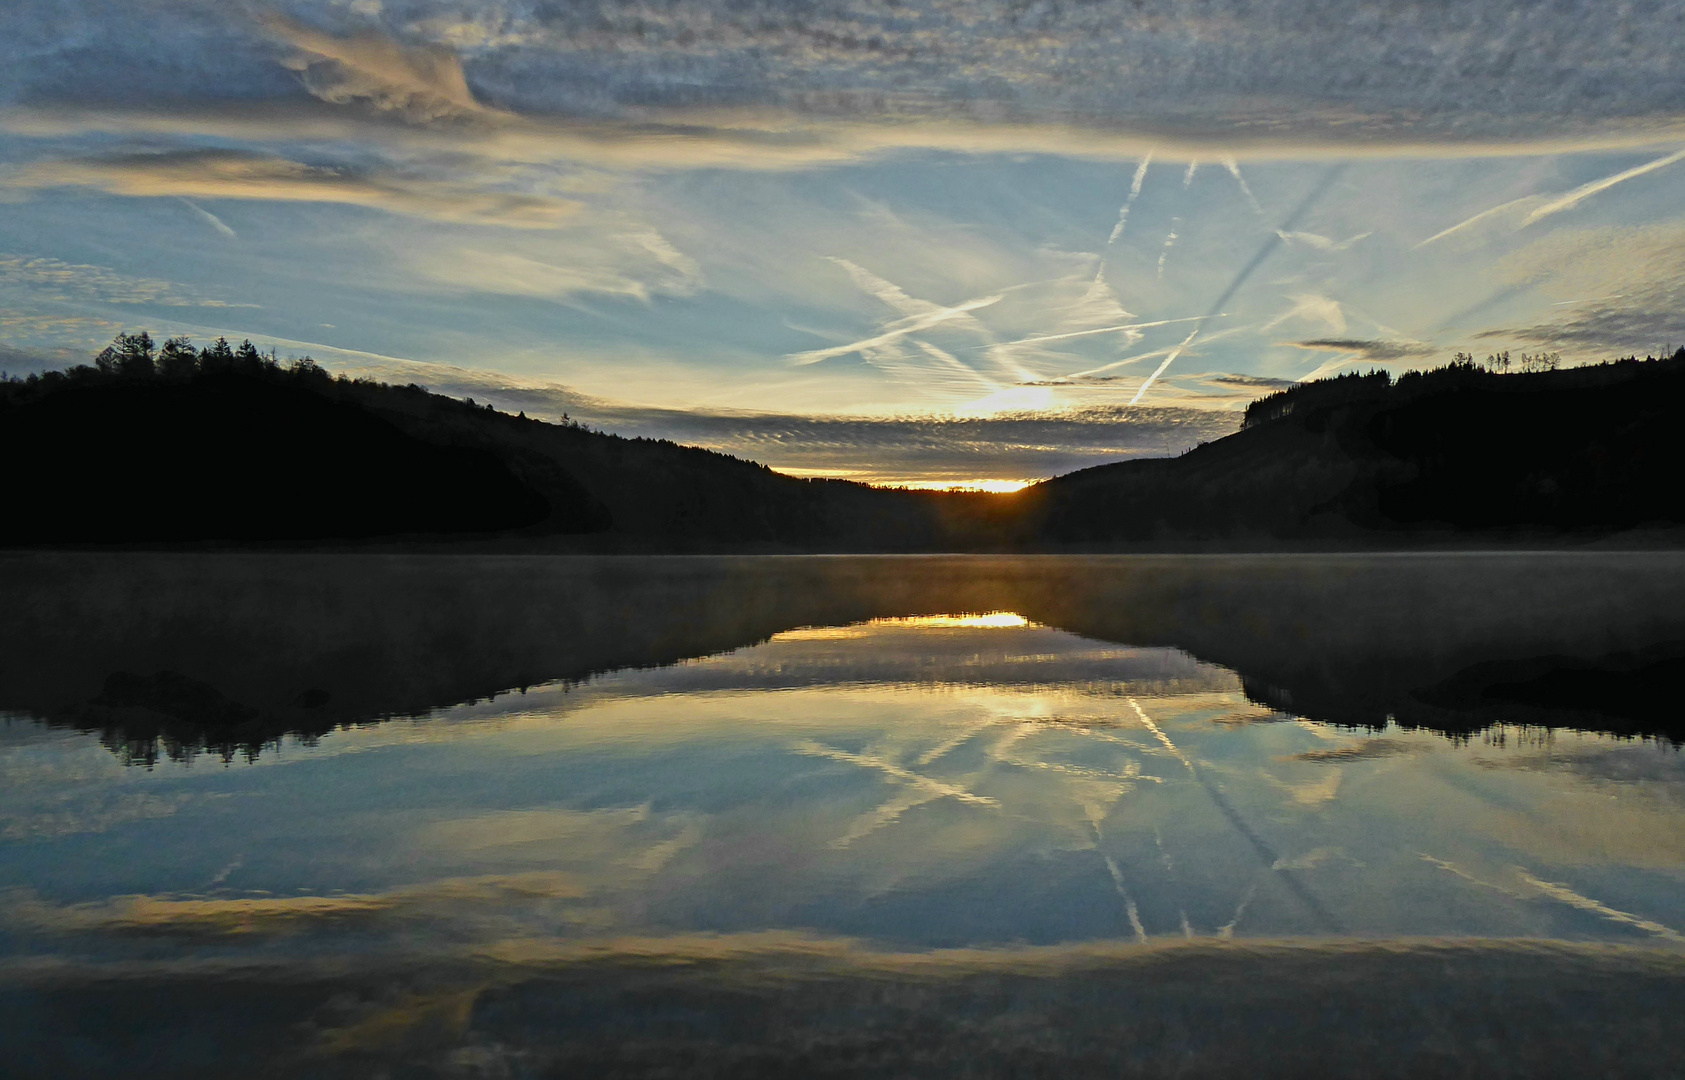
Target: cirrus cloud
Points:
(234, 174)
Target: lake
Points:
(434, 815)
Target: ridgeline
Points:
(227, 447)
(223, 446)
(1458, 452)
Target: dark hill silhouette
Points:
(237, 457)
(226, 445)
(656, 494)
(1457, 451)
(223, 445)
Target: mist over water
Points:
(487, 817)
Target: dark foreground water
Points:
(449, 816)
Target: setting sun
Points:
(993, 487)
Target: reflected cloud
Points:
(1368, 748)
(273, 914)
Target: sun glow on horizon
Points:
(993, 487)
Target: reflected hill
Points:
(177, 654)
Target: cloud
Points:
(1369, 349)
(767, 139)
(230, 174)
(1020, 446)
(1024, 445)
(1313, 307)
(1249, 382)
(1320, 242)
(17, 327)
(713, 84)
(1266, 72)
(1624, 289)
(636, 263)
(419, 83)
(55, 280)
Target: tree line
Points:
(1463, 370)
(139, 357)
(1500, 362)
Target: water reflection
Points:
(948, 828)
(177, 655)
(930, 782)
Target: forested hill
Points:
(225, 445)
(1456, 452)
(221, 445)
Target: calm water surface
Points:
(915, 800)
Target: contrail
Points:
(211, 219)
(914, 325)
(1588, 299)
(1138, 357)
(1233, 166)
(1269, 245)
(1193, 167)
(1169, 242)
(1134, 192)
(1466, 222)
(1168, 360)
(1543, 209)
(947, 360)
(1585, 190)
(1089, 333)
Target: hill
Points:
(224, 445)
(1454, 452)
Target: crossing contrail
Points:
(1270, 244)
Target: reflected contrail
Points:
(1129, 907)
(1266, 854)
(1563, 894)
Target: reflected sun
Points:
(993, 620)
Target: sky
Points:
(924, 242)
